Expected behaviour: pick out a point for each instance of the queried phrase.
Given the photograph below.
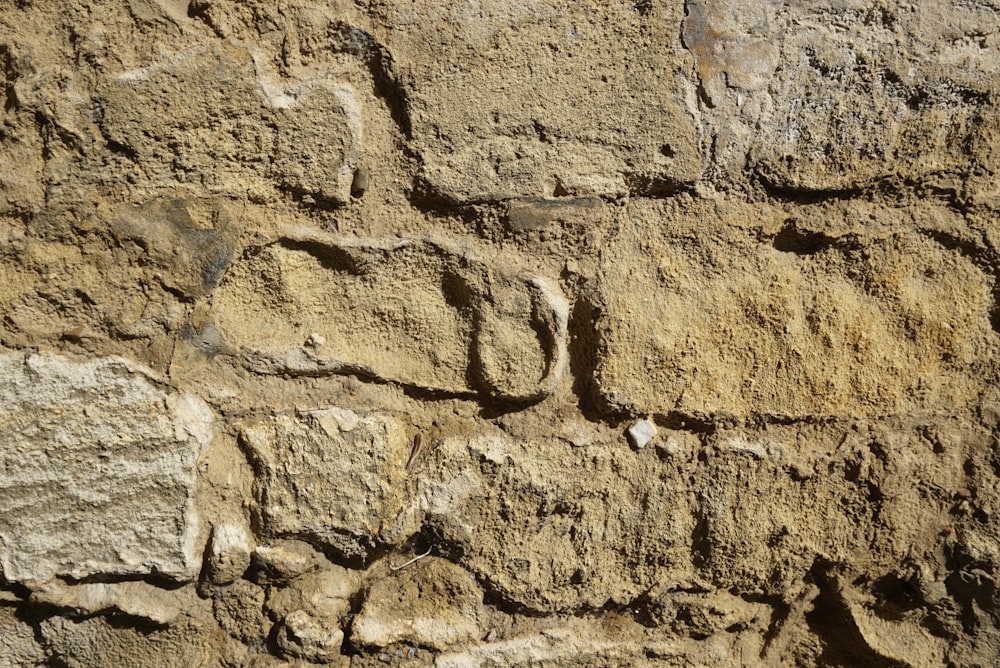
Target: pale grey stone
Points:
(97, 470)
(135, 599)
(641, 433)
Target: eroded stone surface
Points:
(330, 475)
(776, 225)
(403, 310)
(135, 599)
(324, 594)
(483, 493)
(867, 93)
(742, 314)
(245, 137)
(95, 641)
(303, 636)
(97, 434)
(431, 603)
(18, 646)
(559, 107)
(229, 553)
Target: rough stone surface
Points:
(18, 646)
(305, 637)
(229, 556)
(416, 331)
(430, 603)
(790, 321)
(101, 435)
(329, 474)
(623, 333)
(560, 107)
(134, 599)
(324, 594)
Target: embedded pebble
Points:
(641, 433)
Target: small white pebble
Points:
(641, 433)
(315, 340)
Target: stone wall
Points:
(507, 333)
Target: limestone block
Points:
(735, 311)
(573, 641)
(319, 140)
(559, 105)
(543, 520)
(431, 603)
(207, 116)
(135, 599)
(195, 112)
(97, 641)
(404, 310)
(97, 470)
(331, 475)
(306, 637)
(864, 94)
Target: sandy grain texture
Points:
(502, 333)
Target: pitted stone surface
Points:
(743, 314)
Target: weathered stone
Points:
(537, 213)
(790, 323)
(239, 609)
(704, 614)
(319, 141)
(431, 603)
(190, 240)
(97, 435)
(347, 292)
(173, 117)
(331, 475)
(571, 641)
(246, 138)
(229, 553)
(18, 646)
(482, 492)
(899, 638)
(306, 637)
(324, 594)
(557, 108)
(745, 548)
(865, 94)
(280, 561)
(135, 599)
(734, 43)
(95, 641)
